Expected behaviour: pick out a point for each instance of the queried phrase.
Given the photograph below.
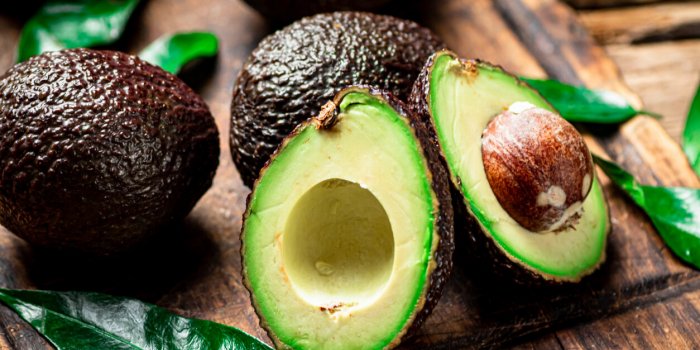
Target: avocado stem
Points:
(328, 116)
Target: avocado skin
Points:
(282, 11)
(444, 223)
(294, 71)
(481, 248)
(99, 150)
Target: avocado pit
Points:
(538, 167)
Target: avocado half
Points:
(347, 237)
(457, 99)
(294, 71)
(100, 150)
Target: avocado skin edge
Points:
(481, 247)
(444, 221)
(100, 151)
(294, 71)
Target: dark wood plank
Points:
(607, 3)
(17, 334)
(197, 273)
(476, 29)
(9, 27)
(656, 22)
(672, 324)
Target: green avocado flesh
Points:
(464, 97)
(339, 232)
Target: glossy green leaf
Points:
(674, 211)
(62, 24)
(691, 133)
(83, 320)
(172, 52)
(579, 104)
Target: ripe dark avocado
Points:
(296, 70)
(543, 159)
(347, 237)
(99, 150)
(289, 10)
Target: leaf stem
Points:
(650, 113)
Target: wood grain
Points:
(196, 271)
(657, 22)
(10, 35)
(665, 75)
(607, 3)
(667, 323)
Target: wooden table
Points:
(642, 297)
(657, 47)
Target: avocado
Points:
(99, 150)
(531, 200)
(282, 11)
(293, 72)
(347, 237)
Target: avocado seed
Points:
(538, 166)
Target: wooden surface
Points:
(642, 297)
(665, 75)
(607, 3)
(670, 20)
(657, 48)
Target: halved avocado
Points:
(457, 99)
(347, 238)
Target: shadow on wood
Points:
(149, 272)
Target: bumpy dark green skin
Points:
(281, 11)
(99, 150)
(482, 249)
(443, 226)
(295, 71)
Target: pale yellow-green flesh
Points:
(462, 103)
(338, 245)
(349, 180)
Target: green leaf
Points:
(84, 320)
(674, 211)
(578, 104)
(172, 52)
(65, 24)
(691, 133)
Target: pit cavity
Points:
(338, 246)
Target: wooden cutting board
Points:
(642, 297)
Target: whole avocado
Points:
(289, 10)
(294, 71)
(99, 150)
